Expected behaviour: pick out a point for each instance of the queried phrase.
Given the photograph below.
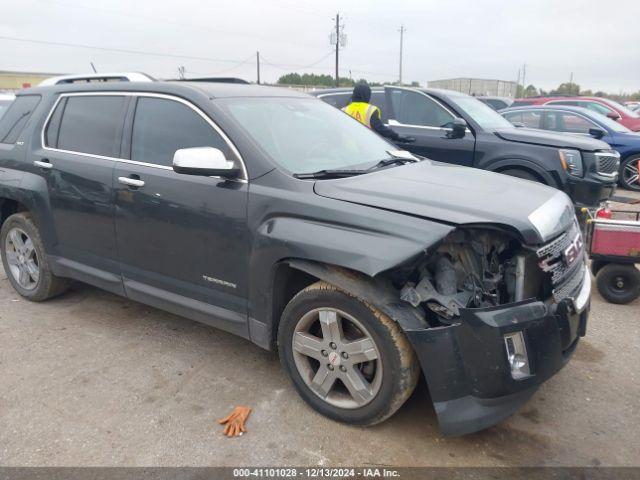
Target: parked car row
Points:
(608, 108)
(584, 122)
(272, 215)
(457, 128)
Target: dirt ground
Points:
(93, 379)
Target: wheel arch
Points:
(548, 178)
(293, 275)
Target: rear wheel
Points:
(514, 172)
(629, 177)
(347, 359)
(619, 283)
(25, 261)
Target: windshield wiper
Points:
(330, 174)
(392, 161)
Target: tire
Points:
(629, 173)
(22, 250)
(390, 377)
(596, 265)
(514, 172)
(619, 283)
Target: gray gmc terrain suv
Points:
(272, 215)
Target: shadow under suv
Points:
(271, 215)
(457, 128)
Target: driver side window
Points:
(413, 108)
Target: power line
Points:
(290, 66)
(165, 21)
(118, 50)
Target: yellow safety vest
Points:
(362, 111)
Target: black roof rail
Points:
(212, 80)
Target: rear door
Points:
(416, 114)
(81, 144)
(182, 239)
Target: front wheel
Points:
(629, 175)
(348, 360)
(619, 283)
(515, 172)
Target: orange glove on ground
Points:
(234, 422)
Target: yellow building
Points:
(18, 80)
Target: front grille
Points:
(571, 286)
(608, 163)
(553, 258)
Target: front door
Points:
(182, 239)
(417, 115)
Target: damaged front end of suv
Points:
(504, 317)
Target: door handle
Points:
(44, 163)
(131, 182)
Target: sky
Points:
(443, 39)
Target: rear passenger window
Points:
(53, 127)
(92, 124)
(161, 126)
(16, 117)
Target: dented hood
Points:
(458, 195)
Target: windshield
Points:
(622, 108)
(610, 124)
(306, 135)
(482, 114)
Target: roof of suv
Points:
(440, 91)
(212, 89)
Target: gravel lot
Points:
(94, 379)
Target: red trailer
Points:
(613, 240)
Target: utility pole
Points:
(337, 48)
(258, 65)
(181, 71)
(524, 74)
(402, 30)
(93, 67)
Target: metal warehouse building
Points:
(477, 86)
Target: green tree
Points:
(567, 88)
(530, 91)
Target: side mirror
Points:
(205, 162)
(596, 133)
(458, 128)
(614, 116)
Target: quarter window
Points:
(412, 108)
(16, 117)
(91, 124)
(528, 119)
(161, 126)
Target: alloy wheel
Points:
(22, 259)
(630, 173)
(337, 358)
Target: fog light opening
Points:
(517, 355)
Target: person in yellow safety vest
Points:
(370, 115)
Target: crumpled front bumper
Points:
(466, 365)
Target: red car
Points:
(604, 106)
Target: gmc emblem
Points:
(573, 251)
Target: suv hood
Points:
(551, 139)
(458, 195)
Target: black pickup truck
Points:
(271, 215)
(457, 128)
